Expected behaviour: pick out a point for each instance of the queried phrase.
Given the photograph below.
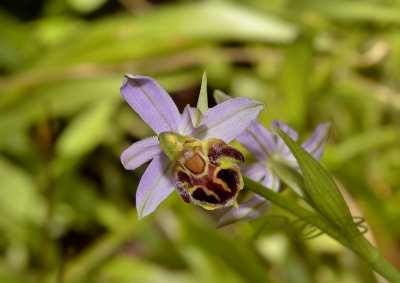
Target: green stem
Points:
(357, 242)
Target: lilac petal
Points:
(186, 124)
(258, 140)
(316, 143)
(155, 186)
(281, 147)
(255, 171)
(151, 102)
(229, 119)
(252, 208)
(271, 181)
(140, 152)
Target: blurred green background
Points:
(67, 210)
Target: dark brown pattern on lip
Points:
(207, 173)
(221, 149)
(209, 189)
(181, 180)
(230, 178)
(201, 196)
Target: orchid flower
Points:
(268, 149)
(190, 152)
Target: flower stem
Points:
(357, 242)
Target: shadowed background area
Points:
(67, 205)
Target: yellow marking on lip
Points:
(222, 182)
(209, 192)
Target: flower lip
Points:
(205, 182)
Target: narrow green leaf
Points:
(289, 175)
(202, 102)
(329, 203)
(355, 241)
(320, 186)
(291, 206)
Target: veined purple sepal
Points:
(207, 173)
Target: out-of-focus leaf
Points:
(199, 260)
(168, 29)
(109, 215)
(234, 255)
(8, 276)
(126, 269)
(102, 249)
(86, 6)
(361, 143)
(357, 10)
(19, 195)
(295, 78)
(51, 31)
(86, 131)
(14, 38)
(57, 100)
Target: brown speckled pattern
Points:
(220, 181)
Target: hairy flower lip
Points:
(206, 172)
(152, 103)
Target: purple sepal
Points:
(151, 102)
(140, 152)
(315, 145)
(229, 119)
(258, 140)
(155, 186)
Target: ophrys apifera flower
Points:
(190, 152)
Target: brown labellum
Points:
(207, 173)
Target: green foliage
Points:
(67, 204)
